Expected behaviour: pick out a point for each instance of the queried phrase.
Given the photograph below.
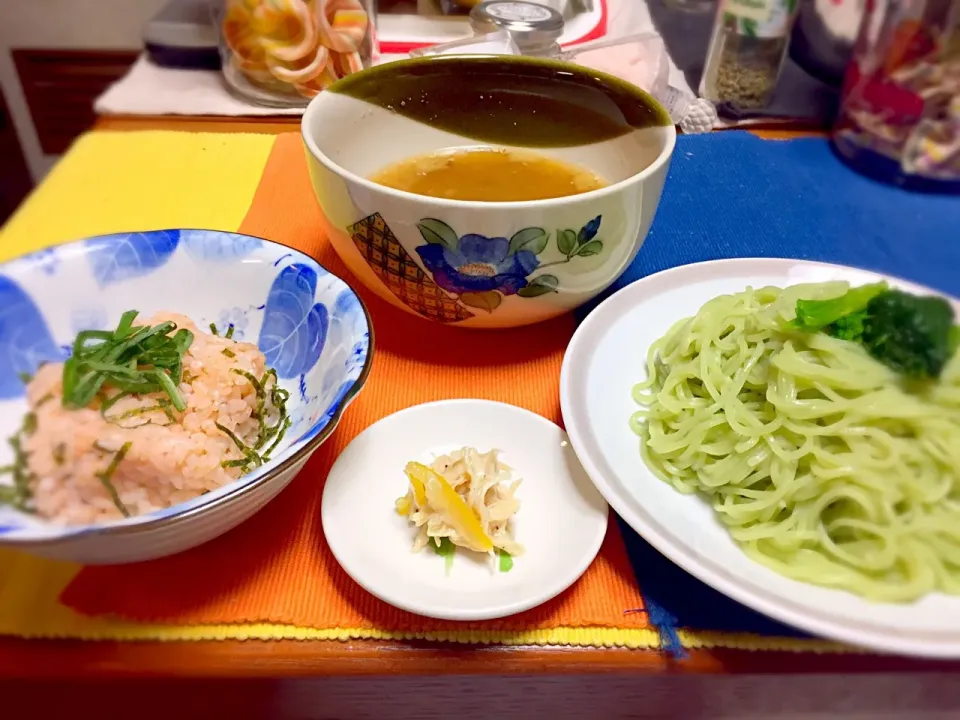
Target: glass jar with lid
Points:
(747, 51)
(535, 28)
(899, 118)
(281, 53)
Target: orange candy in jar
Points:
(284, 52)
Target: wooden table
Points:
(374, 678)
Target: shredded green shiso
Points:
(268, 435)
(137, 360)
(106, 476)
(133, 360)
(19, 495)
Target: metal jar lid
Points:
(529, 23)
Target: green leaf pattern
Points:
(540, 285)
(566, 241)
(594, 247)
(437, 232)
(533, 239)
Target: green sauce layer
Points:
(525, 102)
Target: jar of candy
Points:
(899, 115)
(281, 53)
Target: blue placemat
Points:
(732, 194)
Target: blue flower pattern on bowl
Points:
(294, 328)
(236, 318)
(88, 317)
(349, 338)
(48, 260)
(114, 258)
(478, 264)
(212, 246)
(25, 340)
(481, 271)
(308, 323)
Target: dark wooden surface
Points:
(454, 696)
(61, 85)
(15, 178)
(59, 659)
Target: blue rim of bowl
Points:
(69, 533)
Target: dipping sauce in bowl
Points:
(489, 175)
(486, 191)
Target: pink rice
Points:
(165, 464)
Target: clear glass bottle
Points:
(747, 51)
(281, 53)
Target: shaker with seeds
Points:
(747, 51)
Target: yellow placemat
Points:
(117, 181)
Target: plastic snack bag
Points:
(639, 59)
(496, 43)
(642, 60)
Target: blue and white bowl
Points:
(310, 324)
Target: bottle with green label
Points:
(747, 52)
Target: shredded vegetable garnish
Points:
(19, 494)
(466, 498)
(228, 334)
(270, 413)
(106, 475)
(131, 359)
(445, 549)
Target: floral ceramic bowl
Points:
(483, 264)
(312, 328)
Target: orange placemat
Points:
(276, 567)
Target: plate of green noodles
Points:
(788, 432)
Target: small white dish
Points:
(604, 360)
(561, 521)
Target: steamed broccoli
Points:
(818, 314)
(909, 334)
(849, 327)
(915, 336)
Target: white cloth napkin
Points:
(148, 89)
(152, 90)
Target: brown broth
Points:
(488, 175)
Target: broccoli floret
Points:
(849, 327)
(910, 334)
(818, 314)
(915, 336)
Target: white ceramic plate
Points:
(561, 521)
(607, 357)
